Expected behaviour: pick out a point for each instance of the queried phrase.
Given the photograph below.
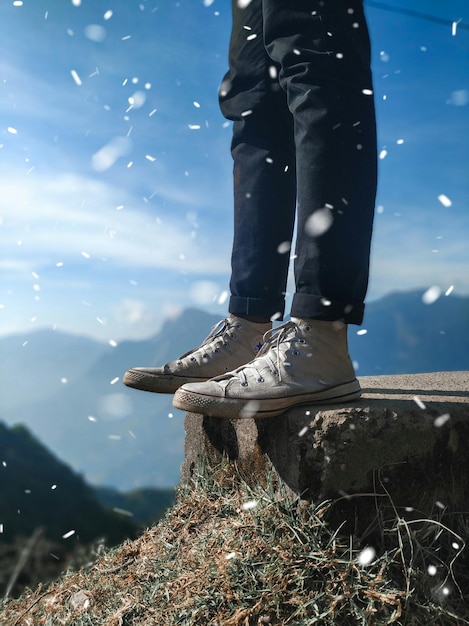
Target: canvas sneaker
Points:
(302, 362)
(231, 342)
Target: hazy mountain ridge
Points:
(38, 490)
(68, 390)
(50, 514)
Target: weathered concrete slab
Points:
(406, 439)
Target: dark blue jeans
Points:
(299, 91)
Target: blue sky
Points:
(115, 210)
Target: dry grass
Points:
(230, 555)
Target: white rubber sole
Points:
(235, 408)
(156, 383)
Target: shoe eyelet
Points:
(193, 359)
(301, 341)
(244, 384)
(261, 380)
(307, 328)
(205, 356)
(295, 352)
(216, 350)
(232, 335)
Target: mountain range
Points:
(67, 389)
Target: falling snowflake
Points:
(319, 222)
(431, 295)
(68, 534)
(366, 556)
(76, 77)
(445, 201)
(249, 505)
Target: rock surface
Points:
(402, 445)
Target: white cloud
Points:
(59, 219)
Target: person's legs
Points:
(264, 180)
(322, 48)
(323, 51)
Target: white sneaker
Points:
(302, 362)
(231, 342)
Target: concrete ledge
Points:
(406, 440)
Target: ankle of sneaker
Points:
(325, 325)
(255, 323)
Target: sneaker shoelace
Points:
(217, 334)
(272, 341)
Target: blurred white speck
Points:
(194, 126)
(69, 534)
(64, 381)
(113, 343)
(400, 142)
(454, 28)
(363, 331)
(76, 78)
(230, 555)
(223, 297)
(138, 99)
(250, 504)
(319, 222)
(440, 505)
(95, 32)
(367, 92)
(107, 15)
(119, 511)
(445, 201)
(366, 556)
(284, 247)
(114, 380)
(419, 402)
(441, 420)
(106, 156)
(303, 431)
(249, 409)
(384, 56)
(12, 130)
(432, 570)
(170, 415)
(242, 4)
(459, 98)
(91, 418)
(431, 295)
(383, 154)
(149, 157)
(196, 104)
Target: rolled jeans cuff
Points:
(309, 306)
(257, 307)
